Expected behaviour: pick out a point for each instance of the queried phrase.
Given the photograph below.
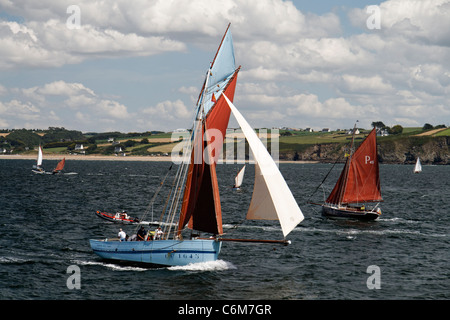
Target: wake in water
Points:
(218, 265)
(111, 266)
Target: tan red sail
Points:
(360, 179)
(60, 165)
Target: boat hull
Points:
(158, 252)
(349, 213)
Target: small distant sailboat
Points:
(239, 179)
(37, 167)
(358, 184)
(418, 166)
(195, 198)
(59, 166)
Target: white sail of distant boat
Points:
(418, 166)
(37, 168)
(239, 178)
(39, 159)
(272, 199)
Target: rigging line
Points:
(174, 197)
(147, 210)
(176, 201)
(347, 166)
(168, 198)
(176, 178)
(179, 177)
(323, 180)
(180, 182)
(170, 224)
(237, 225)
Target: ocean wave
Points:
(218, 265)
(7, 260)
(398, 220)
(353, 232)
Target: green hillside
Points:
(404, 145)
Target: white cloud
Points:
(167, 115)
(51, 44)
(18, 110)
(108, 29)
(423, 20)
(72, 105)
(113, 109)
(371, 85)
(189, 90)
(64, 89)
(169, 110)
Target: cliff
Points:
(404, 150)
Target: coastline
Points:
(85, 157)
(112, 158)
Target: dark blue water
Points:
(46, 222)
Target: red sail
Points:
(201, 201)
(360, 178)
(60, 165)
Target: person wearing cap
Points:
(141, 234)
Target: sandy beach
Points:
(89, 157)
(107, 158)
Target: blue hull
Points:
(158, 252)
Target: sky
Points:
(135, 66)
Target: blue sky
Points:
(139, 66)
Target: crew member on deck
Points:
(141, 234)
(158, 233)
(122, 235)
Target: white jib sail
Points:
(239, 178)
(272, 199)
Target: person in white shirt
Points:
(122, 235)
(158, 234)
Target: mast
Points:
(347, 166)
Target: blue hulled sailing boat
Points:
(196, 188)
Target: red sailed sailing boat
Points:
(59, 166)
(358, 184)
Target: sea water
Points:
(46, 222)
